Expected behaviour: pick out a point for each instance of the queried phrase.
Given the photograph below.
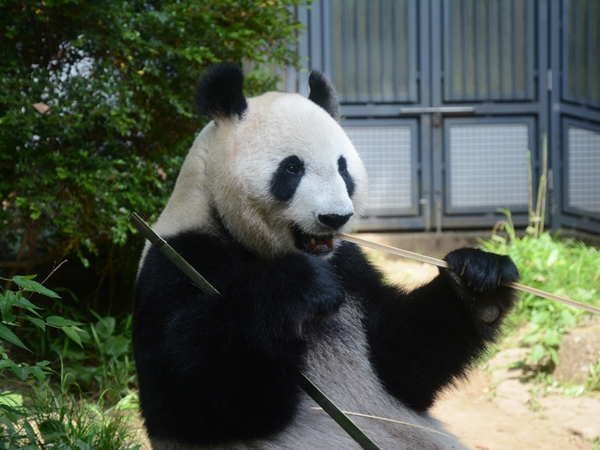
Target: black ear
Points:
(323, 94)
(219, 94)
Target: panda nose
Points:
(334, 221)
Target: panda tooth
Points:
(330, 243)
(313, 243)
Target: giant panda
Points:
(261, 195)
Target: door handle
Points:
(438, 110)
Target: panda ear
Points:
(323, 94)
(219, 94)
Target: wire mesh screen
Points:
(386, 154)
(584, 169)
(488, 165)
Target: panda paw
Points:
(478, 278)
(325, 294)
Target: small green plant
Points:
(563, 266)
(43, 419)
(34, 413)
(593, 381)
(105, 363)
(16, 309)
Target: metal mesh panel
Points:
(386, 153)
(584, 169)
(488, 165)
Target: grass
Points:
(44, 418)
(565, 267)
(88, 403)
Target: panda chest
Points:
(338, 360)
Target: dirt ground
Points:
(496, 409)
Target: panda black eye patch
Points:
(286, 178)
(343, 171)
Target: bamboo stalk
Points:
(444, 264)
(173, 256)
(545, 176)
(313, 392)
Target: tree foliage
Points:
(96, 111)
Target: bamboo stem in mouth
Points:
(444, 264)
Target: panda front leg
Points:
(212, 371)
(427, 338)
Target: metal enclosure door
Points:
(448, 103)
(488, 56)
(576, 113)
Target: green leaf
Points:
(82, 444)
(4, 363)
(37, 322)
(9, 336)
(37, 372)
(33, 286)
(554, 355)
(21, 372)
(51, 430)
(553, 257)
(8, 316)
(24, 303)
(30, 433)
(57, 321)
(106, 327)
(72, 333)
(7, 301)
(538, 352)
(568, 318)
(118, 346)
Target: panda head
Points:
(283, 175)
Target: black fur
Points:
(323, 94)
(343, 171)
(213, 370)
(219, 94)
(218, 370)
(286, 178)
(423, 340)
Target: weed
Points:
(562, 266)
(41, 418)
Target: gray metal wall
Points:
(448, 100)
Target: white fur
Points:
(231, 165)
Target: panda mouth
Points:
(315, 244)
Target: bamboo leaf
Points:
(57, 321)
(33, 286)
(72, 333)
(11, 337)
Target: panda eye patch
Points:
(286, 178)
(343, 171)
